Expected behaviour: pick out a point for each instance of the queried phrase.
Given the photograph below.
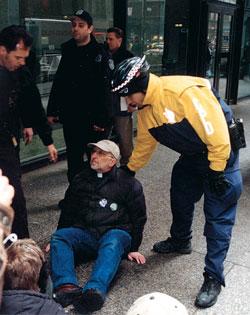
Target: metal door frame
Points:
(223, 10)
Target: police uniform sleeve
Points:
(56, 91)
(31, 109)
(102, 112)
(137, 212)
(205, 115)
(145, 143)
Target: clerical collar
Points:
(99, 175)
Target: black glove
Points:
(217, 182)
(127, 170)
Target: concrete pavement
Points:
(177, 275)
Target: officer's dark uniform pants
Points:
(76, 138)
(188, 184)
(10, 166)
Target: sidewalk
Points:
(177, 275)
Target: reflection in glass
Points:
(145, 30)
(244, 78)
(225, 54)
(229, 1)
(211, 44)
(218, 51)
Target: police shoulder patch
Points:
(111, 64)
(98, 58)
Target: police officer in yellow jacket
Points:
(182, 113)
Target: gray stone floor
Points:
(178, 276)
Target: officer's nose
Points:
(22, 61)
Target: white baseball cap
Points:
(157, 303)
(107, 146)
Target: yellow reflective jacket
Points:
(182, 113)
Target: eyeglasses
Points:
(102, 153)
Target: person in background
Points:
(15, 45)
(80, 96)
(103, 215)
(182, 113)
(24, 278)
(123, 121)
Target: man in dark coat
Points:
(103, 216)
(80, 97)
(14, 48)
(123, 121)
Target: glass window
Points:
(244, 77)
(176, 37)
(145, 30)
(229, 1)
(9, 13)
(48, 22)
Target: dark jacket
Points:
(31, 108)
(120, 55)
(99, 204)
(25, 302)
(9, 115)
(81, 88)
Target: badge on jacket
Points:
(98, 58)
(113, 206)
(111, 64)
(103, 202)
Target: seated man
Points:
(103, 215)
(25, 276)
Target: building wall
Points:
(173, 34)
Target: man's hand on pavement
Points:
(138, 257)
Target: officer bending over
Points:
(182, 113)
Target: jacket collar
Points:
(153, 93)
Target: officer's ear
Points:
(91, 28)
(3, 51)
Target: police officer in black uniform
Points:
(80, 97)
(15, 45)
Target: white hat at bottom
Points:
(157, 303)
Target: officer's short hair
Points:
(118, 32)
(11, 35)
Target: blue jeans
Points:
(188, 184)
(66, 243)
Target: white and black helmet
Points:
(157, 303)
(130, 76)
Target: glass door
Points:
(219, 48)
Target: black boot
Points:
(208, 293)
(171, 246)
(91, 300)
(66, 294)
